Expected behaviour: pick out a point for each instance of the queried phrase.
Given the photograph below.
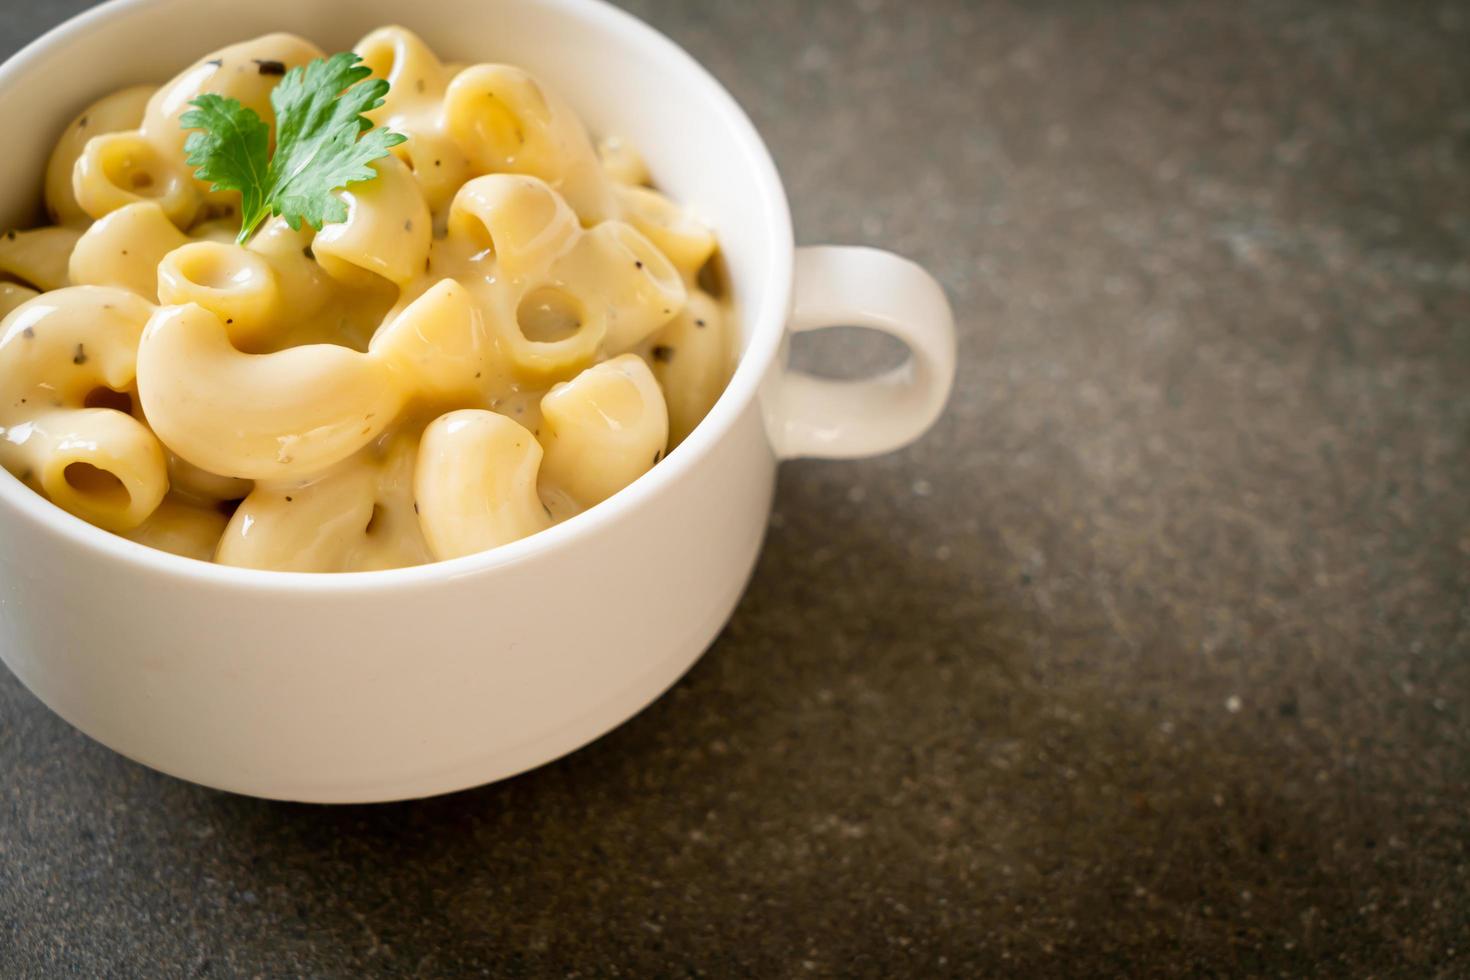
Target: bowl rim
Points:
(767, 317)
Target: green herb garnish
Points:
(323, 143)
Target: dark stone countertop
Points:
(1150, 661)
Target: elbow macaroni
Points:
(125, 248)
(507, 329)
(114, 113)
(476, 483)
(38, 258)
(66, 354)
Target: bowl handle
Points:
(844, 286)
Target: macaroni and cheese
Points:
(509, 327)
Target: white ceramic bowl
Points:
(385, 685)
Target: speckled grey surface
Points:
(1153, 660)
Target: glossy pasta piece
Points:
(506, 122)
(181, 528)
(690, 359)
(57, 352)
(305, 287)
(235, 284)
(100, 464)
(476, 483)
(124, 248)
(413, 107)
(603, 429)
(519, 222)
(554, 334)
(387, 231)
(358, 516)
(38, 257)
(247, 71)
(622, 163)
(121, 110)
(415, 75)
(198, 486)
(505, 234)
(393, 537)
(618, 273)
(310, 527)
(125, 168)
(279, 416)
(13, 295)
(61, 346)
(687, 243)
(440, 347)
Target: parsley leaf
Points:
(233, 150)
(323, 143)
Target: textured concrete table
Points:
(1153, 660)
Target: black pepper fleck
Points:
(229, 320)
(663, 354)
(29, 333)
(270, 67)
(82, 123)
(437, 163)
(80, 357)
(637, 263)
(216, 62)
(699, 323)
(288, 500)
(415, 506)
